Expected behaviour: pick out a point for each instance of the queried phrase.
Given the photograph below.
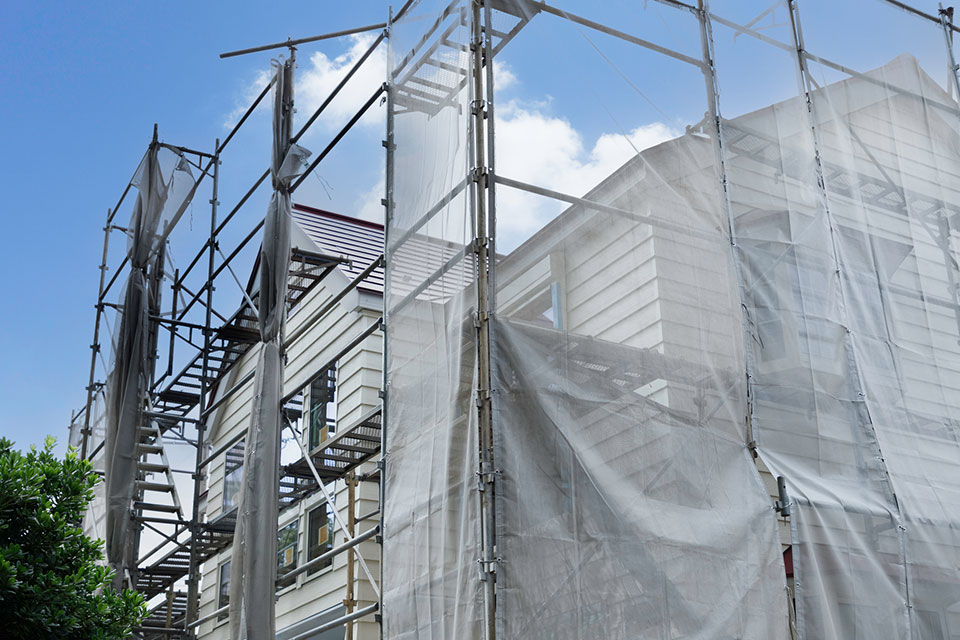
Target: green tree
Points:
(52, 584)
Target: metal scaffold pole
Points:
(480, 177)
(350, 599)
(95, 345)
(946, 22)
(199, 475)
(712, 86)
(943, 225)
(388, 205)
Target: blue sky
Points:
(83, 83)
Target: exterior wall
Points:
(358, 384)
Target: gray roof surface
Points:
(359, 240)
(419, 259)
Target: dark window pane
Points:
(223, 591)
(232, 476)
(323, 407)
(287, 548)
(320, 535)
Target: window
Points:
(232, 476)
(323, 408)
(223, 589)
(287, 548)
(319, 535)
(536, 294)
(545, 308)
(556, 306)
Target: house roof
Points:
(358, 240)
(420, 266)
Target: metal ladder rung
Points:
(151, 506)
(144, 468)
(149, 448)
(154, 486)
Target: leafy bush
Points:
(52, 584)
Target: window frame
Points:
(230, 500)
(309, 547)
(321, 398)
(226, 564)
(295, 524)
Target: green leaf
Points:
(52, 582)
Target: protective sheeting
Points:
(626, 515)
(252, 589)
(628, 503)
(165, 186)
(781, 273)
(844, 212)
(431, 546)
(254, 578)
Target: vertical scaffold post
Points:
(389, 146)
(480, 179)
(199, 475)
(95, 345)
(946, 22)
(173, 327)
(491, 164)
(711, 83)
(349, 600)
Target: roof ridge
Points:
(336, 216)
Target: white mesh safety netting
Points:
(718, 261)
(431, 586)
(844, 199)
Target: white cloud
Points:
(317, 75)
(549, 152)
(503, 76)
(369, 205)
(316, 78)
(250, 94)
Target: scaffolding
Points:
(545, 469)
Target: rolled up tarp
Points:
(129, 378)
(255, 574)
